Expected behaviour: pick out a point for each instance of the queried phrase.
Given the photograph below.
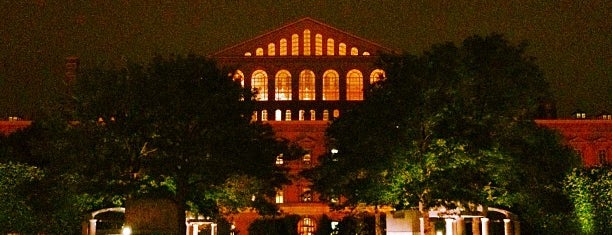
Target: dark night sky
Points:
(571, 39)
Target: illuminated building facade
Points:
(305, 73)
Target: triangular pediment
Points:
(305, 37)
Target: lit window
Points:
(279, 196)
(377, 75)
(325, 115)
(259, 83)
(307, 85)
(283, 85)
(283, 47)
(302, 113)
(318, 44)
(342, 49)
(254, 116)
(295, 44)
(306, 226)
(278, 115)
(287, 115)
(306, 42)
(313, 115)
(336, 113)
(271, 49)
(365, 53)
(307, 159)
(238, 77)
(331, 87)
(259, 52)
(354, 85)
(330, 46)
(354, 51)
(306, 195)
(247, 54)
(264, 115)
(279, 159)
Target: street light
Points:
(126, 230)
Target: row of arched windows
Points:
(329, 48)
(302, 115)
(306, 84)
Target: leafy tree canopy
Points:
(450, 127)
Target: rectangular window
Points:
(279, 197)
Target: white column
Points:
(449, 226)
(485, 225)
(92, 226)
(195, 229)
(517, 227)
(213, 229)
(422, 225)
(507, 227)
(460, 226)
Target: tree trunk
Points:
(377, 225)
(180, 199)
(426, 227)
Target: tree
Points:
(589, 190)
(177, 128)
(16, 213)
(451, 127)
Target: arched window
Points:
(331, 86)
(295, 44)
(271, 49)
(278, 115)
(247, 53)
(306, 226)
(254, 116)
(336, 113)
(287, 115)
(306, 42)
(283, 85)
(313, 115)
(342, 49)
(279, 196)
(264, 115)
(318, 44)
(354, 51)
(259, 52)
(283, 47)
(238, 77)
(330, 46)
(302, 113)
(259, 83)
(354, 85)
(365, 53)
(325, 115)
(377, 75)
(307, 85)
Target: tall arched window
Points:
(254, 116)
(264, 115)
(259, 51)
(313, 115)
(278, 115)
(354, 51)
(318, 44)
(306, 226)
(271, 49)
(288, 115)
(325, 115)
(306, 42)
(238, 77)
(302, 113)
(342, 49)
(282, 88)
(259, 83)
(295, 44)
(377, 75)
(307, 85)
(354, 85)
(330, 46)
(331, 87)
(283, 47)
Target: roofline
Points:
(293, 23)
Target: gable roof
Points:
(287, 33)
